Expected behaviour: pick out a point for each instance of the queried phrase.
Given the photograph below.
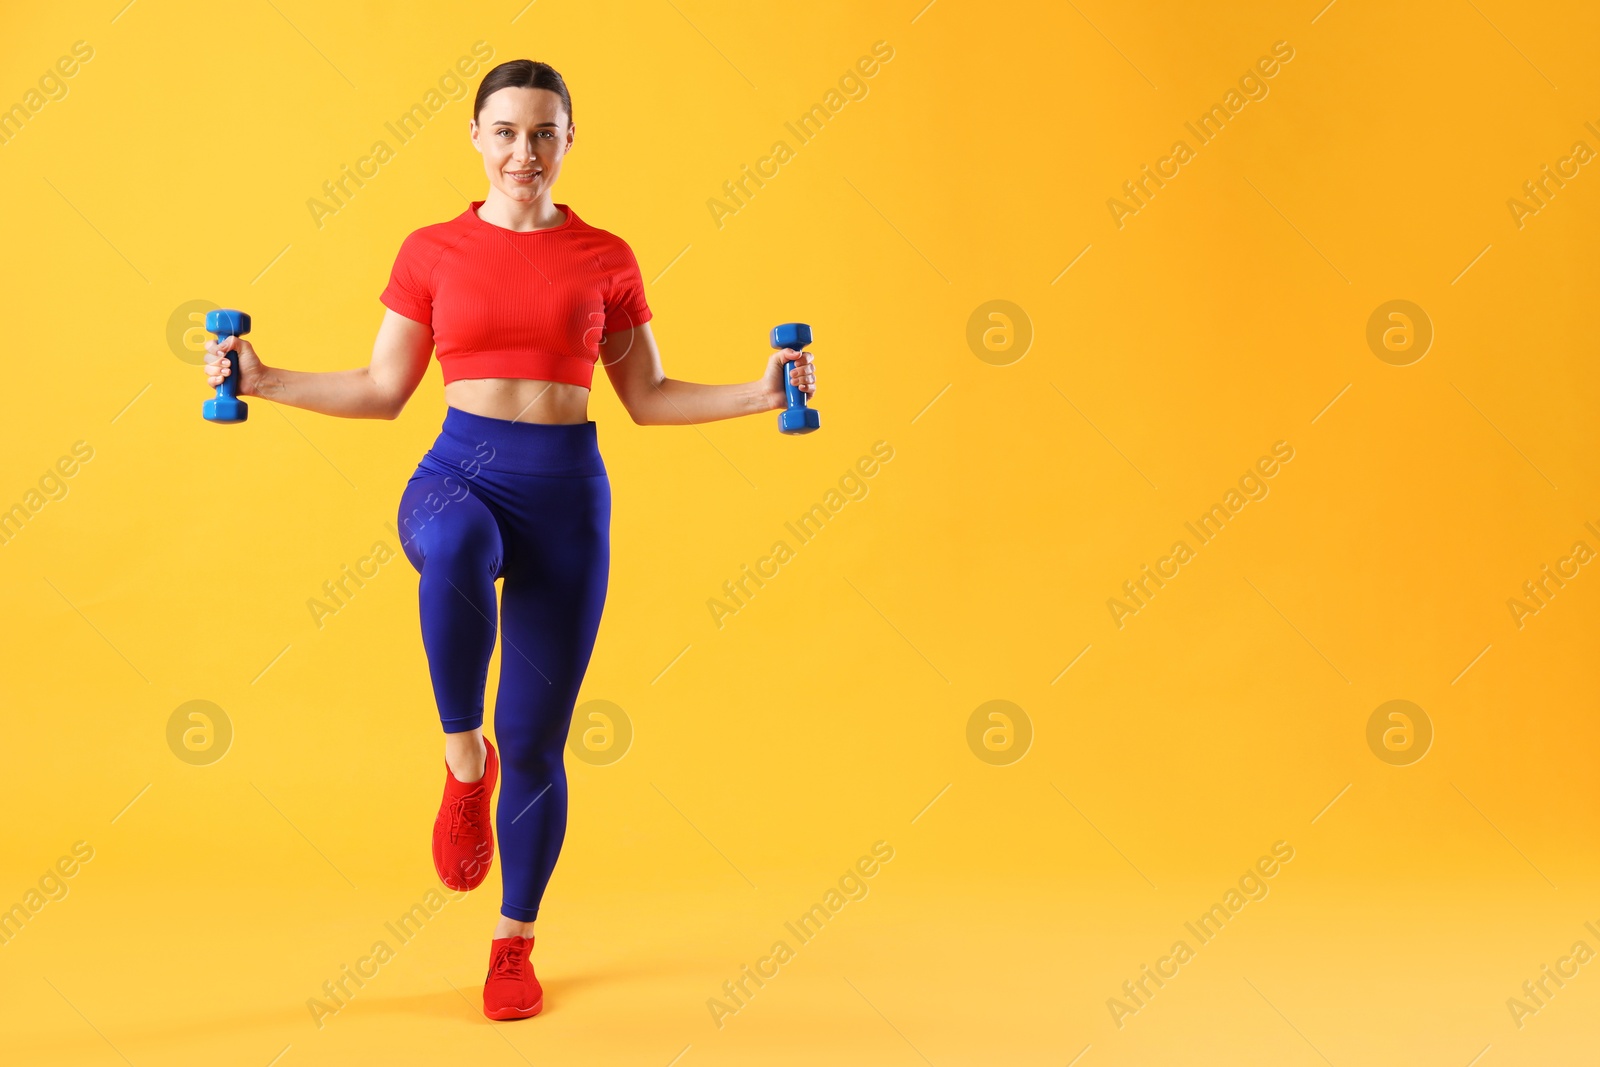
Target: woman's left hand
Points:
(802, 372)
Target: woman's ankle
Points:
(507, 927)
(466, 755)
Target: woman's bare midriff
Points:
(519, 399)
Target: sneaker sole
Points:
(515, 1013)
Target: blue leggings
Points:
(529, 503)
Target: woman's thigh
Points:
(558, 560)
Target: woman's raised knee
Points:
(450, 532)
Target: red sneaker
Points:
(511, 991)
(463, 834)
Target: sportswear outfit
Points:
(526, 503)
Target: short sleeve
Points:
(410, 288)
(626, 308)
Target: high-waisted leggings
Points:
(528, 503)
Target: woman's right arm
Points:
(377, 391)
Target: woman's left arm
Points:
(633, 363)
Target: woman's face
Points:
(523, 135)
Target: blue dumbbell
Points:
(226, 407)
(796, 418)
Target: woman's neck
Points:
(523, 215)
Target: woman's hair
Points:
(522, 74)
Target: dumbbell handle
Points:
(229, 388)
(794, 396)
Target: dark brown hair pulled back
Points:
(522, 74)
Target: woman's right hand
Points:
(252, 372)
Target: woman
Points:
(521, 298)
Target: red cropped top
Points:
(510, 304)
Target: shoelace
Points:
(509, 962)
(465, 813)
